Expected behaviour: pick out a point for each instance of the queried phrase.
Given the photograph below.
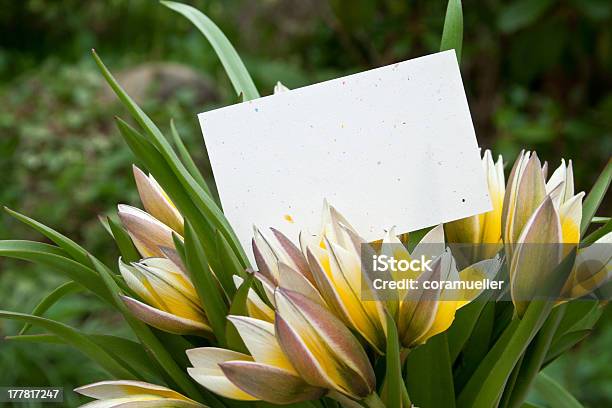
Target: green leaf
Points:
(75, 339)
(49, 300)
(475, 348)
(237, 72)
(238, 308)
(186, 158)
(393, 373)
(230, 264)
(463, 325)
(205, 283)
(428, 367)
(129, 253)
(127, 352)
(487, 384)
(73, 249)
(554, 393)
(595, 197)
(564, 343)
(581, 314)
(452, 34)
(597, 234)
(155, 163)
(148, 339)
(55, 258)
(535, 356)
(484, 389)
(168, 158)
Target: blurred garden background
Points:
(538, 74)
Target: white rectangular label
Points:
(393, 146)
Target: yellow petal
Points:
(259, 338)
(206, 371)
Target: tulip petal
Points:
(529, 195)
(156, 202)
(265, 257)
(570, 215)
(593, 268)
(260, 340)
(419, 308)
(164, 320)
(122, 388)
(147, 233)
(293, 256)
(269, 383)
(321, 348)
(206, 371)
(293, 280)
(537, 255)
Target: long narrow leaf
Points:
(237, 72)
(129, 253)
(55, 258)
(76, 340)
(75, 251)
(186, 158)
(393, 374)
(535, 356)
(204, 202)
(238, 308)
(125, 351)
(595, 197)
(554, 393)
(49, 300)
(429, 367)
(205, 283)
(452, 34)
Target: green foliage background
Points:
(537, 74)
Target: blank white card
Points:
(393, 146)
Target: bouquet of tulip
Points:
(296, 329)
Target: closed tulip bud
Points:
(169, 299)
(148, 234)
(156, 202)
(115, 394)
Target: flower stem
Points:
(373, 401)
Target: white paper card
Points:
(393, 146)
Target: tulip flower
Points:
(266, 374)
(483, 230)
(335, 261)
(593, 269)
(322, 350)
(156, 202)
(541, 225)
(425, 312)
(305, 354)
(256, 307)
(111, 394)
(151, 230)
(169, 299)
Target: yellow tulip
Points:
(169, 299)
(115, 394)
(156, 201)
(151, 230)
(335, 261)
(593, 269)
(541, 225)
(483, 230)
(424, 312)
